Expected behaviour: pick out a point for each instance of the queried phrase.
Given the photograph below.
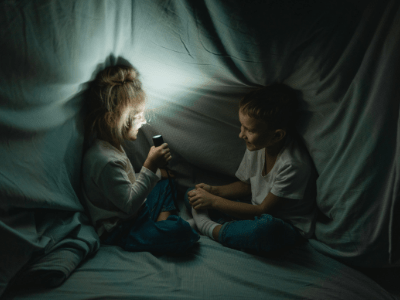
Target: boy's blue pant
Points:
(172, 236)
(261, 235)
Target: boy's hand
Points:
(205, 187)
(201, 199)
(164, 174)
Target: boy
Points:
(276, 171)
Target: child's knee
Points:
(267, 225)
(178, 228)
(274, 234)
(162, 185)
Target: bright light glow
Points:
(164, 84)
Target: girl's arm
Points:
(118, 189)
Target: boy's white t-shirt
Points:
(111, 190)
(292, 177)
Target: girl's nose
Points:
(142, 120)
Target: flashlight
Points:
(158, 141)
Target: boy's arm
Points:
(247, 211)
(201, 199)
(235, 190)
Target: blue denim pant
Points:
(172, 236)
(261, 235)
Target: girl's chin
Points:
(133, 137)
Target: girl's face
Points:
(138, 121)
(255, 132)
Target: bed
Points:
(196, 59)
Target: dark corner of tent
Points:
(196, 60)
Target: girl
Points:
(276, 171)
(133, 211)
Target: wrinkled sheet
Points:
(196, 59)
(211, 271)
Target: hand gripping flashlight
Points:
(158, 141)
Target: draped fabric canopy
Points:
(196, 59)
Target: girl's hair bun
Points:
(115, 89)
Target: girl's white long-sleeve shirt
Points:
(111, 190)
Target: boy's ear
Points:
(279, 134)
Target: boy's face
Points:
(255, 132)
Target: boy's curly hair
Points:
(114, 89)
(275, 104)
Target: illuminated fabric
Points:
(196, 59)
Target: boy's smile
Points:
(255, 132)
